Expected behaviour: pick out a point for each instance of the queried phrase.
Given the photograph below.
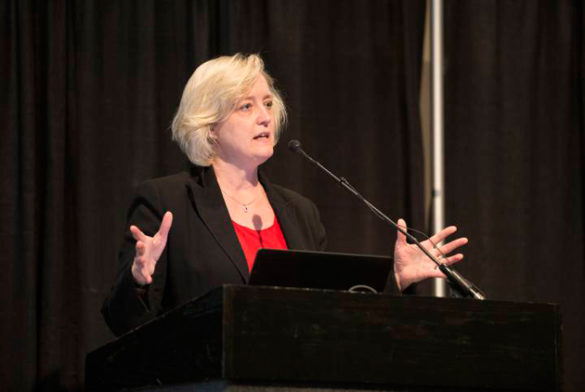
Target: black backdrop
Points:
(89, 91)
(515, 143)
(89, 88)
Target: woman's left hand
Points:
(411, 265)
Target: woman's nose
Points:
(264, 116)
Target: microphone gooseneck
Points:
(458, 282)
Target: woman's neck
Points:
(235, 179)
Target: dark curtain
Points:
(515, 140)
(88, 91)
(350, 74)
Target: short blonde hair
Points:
(211, 95)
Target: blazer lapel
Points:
(286, 215)
(208, 202)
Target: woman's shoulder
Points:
(291, 197)
(169, 180)
(167, 190)
(174, 182)
(288, 194)
(306, 215)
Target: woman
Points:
(223, 210)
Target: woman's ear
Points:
(212, 135)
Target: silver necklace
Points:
(244, 205)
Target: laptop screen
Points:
(320, 270)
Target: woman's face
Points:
(246, 138)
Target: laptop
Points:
(320, 270)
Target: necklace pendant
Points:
(245, 209)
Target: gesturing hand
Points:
(149, 249)
(411, 265)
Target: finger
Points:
(165, 225)
(137, 272)
(142, 277)
(147, 275)
(401, 238)
(441, 235)
(453, 259)
(151, 268)
(451, 246)
(141, 266)
(139, 263)
(145, 265)
(436, 272)
(140, 248)
(137, 233)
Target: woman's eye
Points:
(245, 107)
(268, 104)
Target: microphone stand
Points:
(462, 285)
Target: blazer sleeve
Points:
(129, 305)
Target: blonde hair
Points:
(211, 95)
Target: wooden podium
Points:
(243, 338)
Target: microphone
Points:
(456, 280)
(295, 146)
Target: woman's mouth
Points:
(262, 135)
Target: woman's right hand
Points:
(149, 249)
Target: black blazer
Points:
(203, 251)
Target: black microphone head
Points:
(294, 145)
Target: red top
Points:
(252, 240)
